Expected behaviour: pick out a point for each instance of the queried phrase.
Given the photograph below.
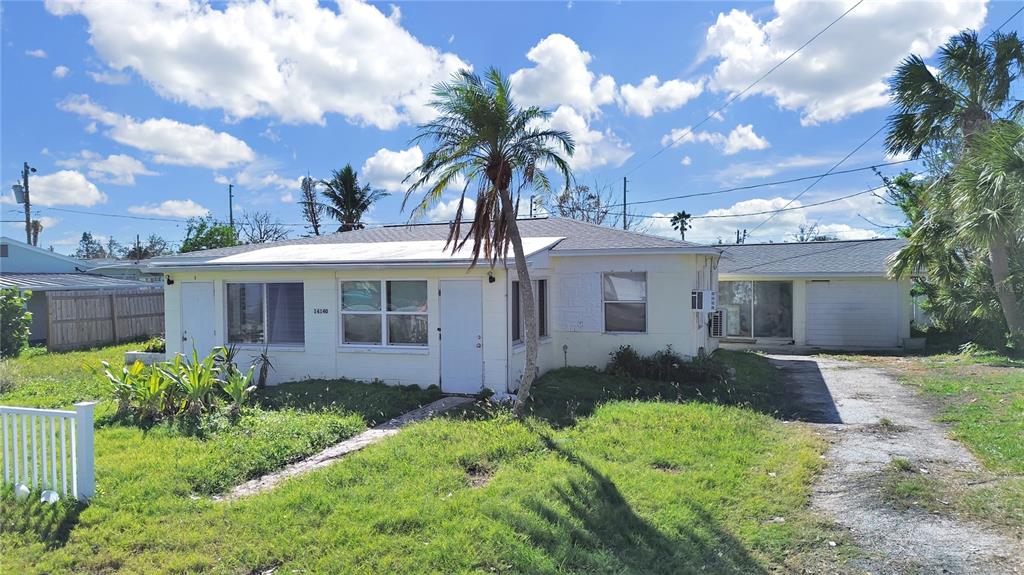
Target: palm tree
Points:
(681, 222)
(988, 197)
(348, 201)
(947, 112)
(482, 137)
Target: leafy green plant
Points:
(123, 383)
(155, 345)
(666, 365)
(195, 379)
(239, 388)
(15, 320)
(154, 394)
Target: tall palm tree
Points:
(500, 149)
(681, 222)
(947, 112)
(348, 200)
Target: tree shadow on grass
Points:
(590, 527)
(51, 524)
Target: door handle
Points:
(479, 345)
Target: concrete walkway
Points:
(847, 400)
(339, 450)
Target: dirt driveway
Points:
(871, 419)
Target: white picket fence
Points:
(49, 450)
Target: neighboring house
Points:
(29, 268)
(393, 304)
(123, 269)
(824, 294)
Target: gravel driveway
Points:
(848, 400)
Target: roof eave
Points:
(682, 250)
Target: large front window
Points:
(625, 301)
(757, 309)
(265, 313)
(392, 312)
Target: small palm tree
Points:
(348, 201)
(680, 223)
(481, 136)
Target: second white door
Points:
(462, 354)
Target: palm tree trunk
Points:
(527, 305)
(999, 256)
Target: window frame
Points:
(384, 313)
(516, 321)
(605, 302)
(265, 318)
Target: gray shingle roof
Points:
(68, 281)
(578, 236)
(861, 257)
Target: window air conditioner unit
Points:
(716, 323)
(703, 300)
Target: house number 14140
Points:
(319, 310)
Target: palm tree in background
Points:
(499, 149)
(680, 223)
(348, 201)
(951, 114)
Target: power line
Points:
(815, 182)
(739, 94)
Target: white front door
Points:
(462, 354)
(197, 318)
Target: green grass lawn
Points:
(620, 486)
(982, 397)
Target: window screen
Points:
(625, 301)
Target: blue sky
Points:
(136, 110)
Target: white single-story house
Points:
(823, 294)
(392, 304)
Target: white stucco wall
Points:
(575, 318)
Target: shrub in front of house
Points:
(15, 320)
(187, 389)
(666, 365)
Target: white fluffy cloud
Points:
(561, 76)
(741, 138)
(386, 169)
(65, 188)
(594, 149)
(828, 218)
(654, 96)
(260, 175)
(293, 60)
(109, 77)
(37, 53)
(844, 70)
(686, 161)
(757, 170)
(119, 169)
(445, 211)
(170, 141)
(61, 71)
(171, 209)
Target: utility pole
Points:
(531, 206)
(28, 204)
(231, 205)
(625, 220)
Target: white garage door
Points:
(853, 313)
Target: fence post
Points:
(113, 314)
(84, 452)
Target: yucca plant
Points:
(239, 387)
(195, 379)
(122, 383)
(152, 393)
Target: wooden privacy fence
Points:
(82, 319)
(49, 451)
